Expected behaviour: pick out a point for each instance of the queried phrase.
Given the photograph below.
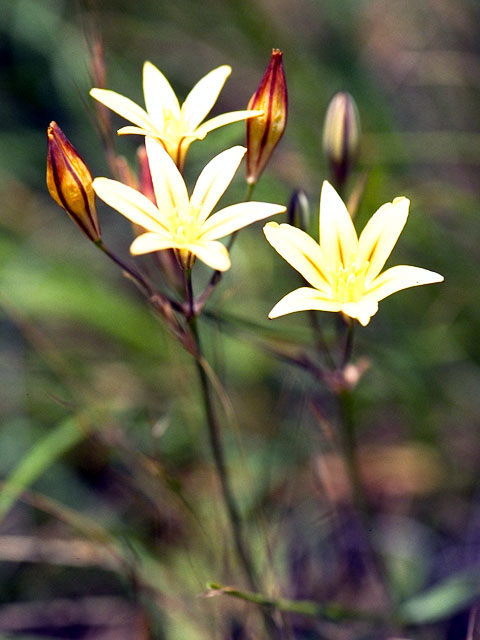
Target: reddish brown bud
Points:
(146, 184)
(70, 183)
(264, 132)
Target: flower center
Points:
(184, 226)
(185, 231)
(349, 282)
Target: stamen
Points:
(349, 282)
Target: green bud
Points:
(341, 135)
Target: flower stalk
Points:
(130, 272)
(216, 447)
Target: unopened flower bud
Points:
(298, 210)
(341, 135)
(264, 132)
(70, 183)
(145, 177)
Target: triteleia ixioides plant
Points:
(178, 225)
(181, 222)
(175, 126)
(344, 270)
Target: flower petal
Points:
(303, 299)
(148, 242)
(361, 311)
(130, 203)
(138, 131)
(168, 183)
(203, 96)
(398, 278)
(381, 234)
(299, 250)
(214, 254)
(338, 238)
(223, 119)
(160, 99)
(214, 179)
(123, 106)
(232, 218)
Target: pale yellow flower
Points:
(175, 126)
(181, 222)
(344, 270)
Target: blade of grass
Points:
(40, 457)
(442, 600)
(329, 611)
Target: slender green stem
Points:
(218, 454)
(350, 449)
(348, 348)
(330, 611)
(189, 293)
(322, 346)
(345, 398)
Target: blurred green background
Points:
(121, 525)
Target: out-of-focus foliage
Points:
(122, 524)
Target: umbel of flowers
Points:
(344, 271)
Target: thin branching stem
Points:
(158, 300)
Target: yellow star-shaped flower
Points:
(344, 270)
(175, 126)
(181, 222)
